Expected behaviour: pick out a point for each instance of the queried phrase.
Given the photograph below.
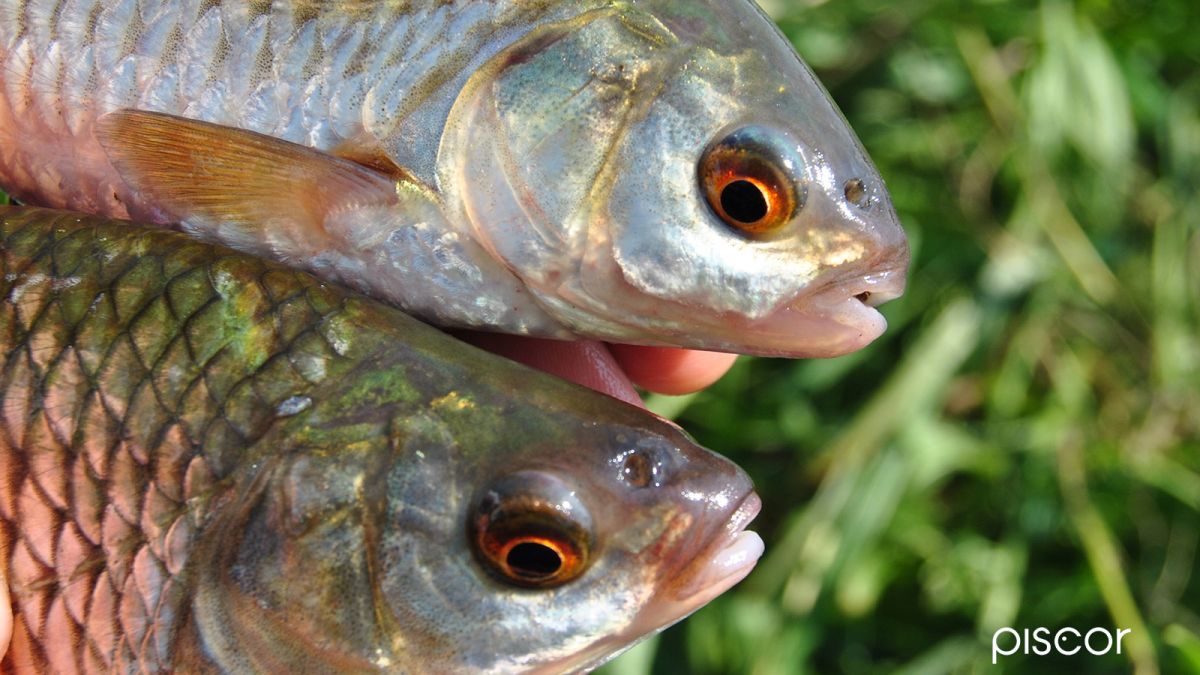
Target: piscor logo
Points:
(1066, 641)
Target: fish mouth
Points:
(723, 562)
(835, 319)
(726, 561)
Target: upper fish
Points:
(645, 171)
(213, 463)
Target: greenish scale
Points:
(209, 462)
(154, 339)
(147, 367)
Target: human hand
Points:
(611, 368)
(6, 616)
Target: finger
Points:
(667, 370)
(6, 616)
(584, 362)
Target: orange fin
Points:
(217, 177)
(371, 155)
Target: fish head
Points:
(672, 173)
(567, 546)
(478, 531)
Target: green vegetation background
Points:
(1021, 448)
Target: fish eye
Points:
(748, 182)
(529, 530)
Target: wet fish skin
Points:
(213, 463)
(538, 166)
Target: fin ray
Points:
(215, 177)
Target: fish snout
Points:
(715, 553)
(719, 497)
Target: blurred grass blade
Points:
(916, 386)
(1050, 209)
(1103, 555)
(1186, 643)
(1169, 476)
(951, 655)
(1176, 347)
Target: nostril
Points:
(864, 297)
(856, 193)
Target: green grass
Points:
(1022, 448)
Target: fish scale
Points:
(213, 463)
(658, 172)
(178, 57)
(101, 543)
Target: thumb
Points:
(6, 616)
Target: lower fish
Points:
(213, 463)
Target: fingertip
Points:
(671, 371)
(584, 362)
(6, 616)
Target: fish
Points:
(656, 172)
(214, 463)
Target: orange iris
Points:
(529, 544)
(746, 186)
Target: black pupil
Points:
(744, 202)
(533, 561)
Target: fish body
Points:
(212, 463)
(644, 171)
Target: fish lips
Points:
(723, 561)
(730, 556)
(837, 318)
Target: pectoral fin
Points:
(367, 152)
(238, 186)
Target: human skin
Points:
(6, 617)
(614, 369)
(665, 370)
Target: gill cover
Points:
(528, 148)
(672, 172)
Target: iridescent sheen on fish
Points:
(531, 166)
(213, 463)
